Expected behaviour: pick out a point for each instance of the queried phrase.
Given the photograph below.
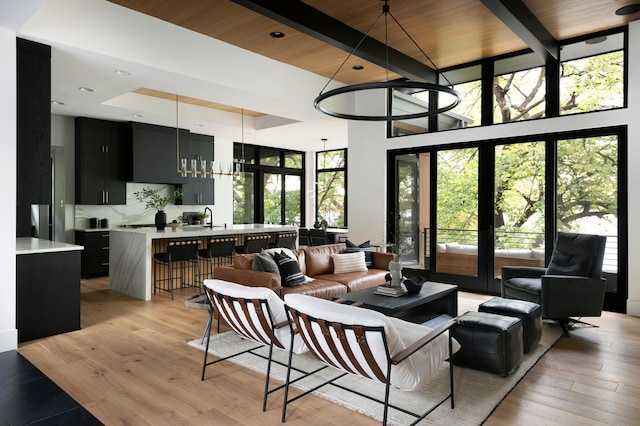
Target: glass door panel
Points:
(243, 198)
(293, 192)
(457, 212)
(587, 182)
(519, 205)
(408, 210)
(272, 184)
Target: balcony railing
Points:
(506, 241)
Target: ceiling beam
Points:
(515, 15)
(310, 21)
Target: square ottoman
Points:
(489, 342)
(530, 313)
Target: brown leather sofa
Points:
(316, 263)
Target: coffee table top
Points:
(391, 305)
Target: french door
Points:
(463, 213)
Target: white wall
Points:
(8, 331)
(368, 146)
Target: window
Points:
(519, 89)
(592, 75)
(331, 196)
(266, 192)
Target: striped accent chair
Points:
(256, 314)
(368, 344)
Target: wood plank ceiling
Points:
(451, 32)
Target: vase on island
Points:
(161, 220)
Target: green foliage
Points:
(153, 200)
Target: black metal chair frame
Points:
(303, 321)
(168, 258)
(264, 322)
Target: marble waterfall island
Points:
(131, 251)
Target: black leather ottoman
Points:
(489, 342)
(530, 313)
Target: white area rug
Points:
(476, 393)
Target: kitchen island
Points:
(131, 251)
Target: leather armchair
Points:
(572, 284)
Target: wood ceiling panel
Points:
(194, 101)
(573, 18)
(450, 32)
(236, 25)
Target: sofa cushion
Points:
(318, 258)
(355, 281)
(365, 247)
(264, 263)
(317, 288)
(348, 262)
(289, 270)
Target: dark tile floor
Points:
(28, 397)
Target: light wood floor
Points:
(130, 365)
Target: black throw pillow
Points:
(365, 247)
(290, 272)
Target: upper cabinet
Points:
(102, 161)
(155, 153)
(33, 123)
(198, 190)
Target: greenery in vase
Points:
(153, 200)
(202, 215)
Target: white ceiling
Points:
(91, 39)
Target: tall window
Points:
(331, 193)
(268, 188)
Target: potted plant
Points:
(153, 200)
(201, 217)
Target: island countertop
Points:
(203, 230)
(26, 245)
(131, 252)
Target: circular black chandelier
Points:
(408, 85)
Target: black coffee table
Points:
(433, 300)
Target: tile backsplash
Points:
(134, 212)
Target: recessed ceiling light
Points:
(276, 34)
(122, 72)
(357, 67)
(58, 103)
(596, 40)
(137, 115)
(86, 89)
(628, 10)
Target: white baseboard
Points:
(633, 307)
(8, 340)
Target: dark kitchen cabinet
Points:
(198, 190)
(95, 257)
(102, 164)
(33, 123)
(47, 294)
(154, 153)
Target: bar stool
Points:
(255, 243)
(285, 239)
(303, 239)
(219, 252)
(182, 251)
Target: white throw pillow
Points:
(348, 262)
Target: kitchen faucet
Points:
(211, 214)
